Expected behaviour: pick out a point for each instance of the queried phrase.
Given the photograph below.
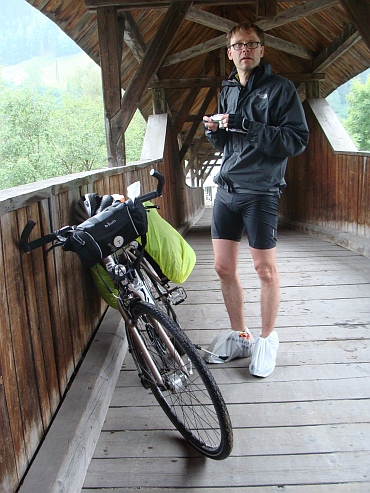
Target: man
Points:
(261, 124)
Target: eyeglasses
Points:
(251, 45)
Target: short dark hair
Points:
(244, 26)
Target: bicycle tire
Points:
(193, 402)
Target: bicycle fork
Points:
(144, 350)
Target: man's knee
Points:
(267, 272)
(265, 265)
(224, 269)
(226, 258)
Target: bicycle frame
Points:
(174, 296)
(144, 295)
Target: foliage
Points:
(46, 133)
(338, 98)
(78, 142)
(357, 123)
(24, 137)
(50, 124)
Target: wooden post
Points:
(159, 101)
(266, 9)
(313, 89)
(110, 44)
(150, 63)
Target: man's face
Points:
(246, 59)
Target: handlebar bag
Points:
(111, 229)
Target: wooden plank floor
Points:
(304, 429)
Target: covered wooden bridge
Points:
(61, 350)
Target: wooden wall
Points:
(49, 310)
(328, 186)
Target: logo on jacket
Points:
(262, 95)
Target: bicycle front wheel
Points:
(188, 393)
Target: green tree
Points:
(357, 123)
(78, 142)
(134, 137)
(24, 136)
(45, 134)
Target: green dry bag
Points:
(105, 285)
(168, 248)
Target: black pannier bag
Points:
(111, 229)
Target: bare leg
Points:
(226, 263)
(265, 266)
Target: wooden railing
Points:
(49, 307)
(328, 192)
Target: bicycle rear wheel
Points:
(189, 395)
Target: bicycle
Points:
(157, 283)
(167, 361)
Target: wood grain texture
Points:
(304, 429)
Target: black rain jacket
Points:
(255, 160)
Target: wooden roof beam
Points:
(285, 17)
(342, 43)
(359, 12)
(219, 42)
(149, 65)
(155, 4)
(221, 24)
(216, 81)
(110, 42)
(298, 12)
(132, 37)
(266, 9)
(190, 99)
(190, 136)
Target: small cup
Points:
(218, 118)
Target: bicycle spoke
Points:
(190, 397)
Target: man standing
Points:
(260, 124)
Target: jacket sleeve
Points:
(288, 135)
(218, 138)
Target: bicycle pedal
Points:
(177, 295)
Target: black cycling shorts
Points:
(257, 214)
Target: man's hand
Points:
(237, 123)
(209, 124)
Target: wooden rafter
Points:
(152, 4)
(266, 9)
(298, 12)
(133, 38)
(185, 109)
(359, 11)
(342, 43)
(195, 125)
(217, 80)
(219, 42)
(285, 17)
(149, 65)
(219, 23)
(110, 41)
